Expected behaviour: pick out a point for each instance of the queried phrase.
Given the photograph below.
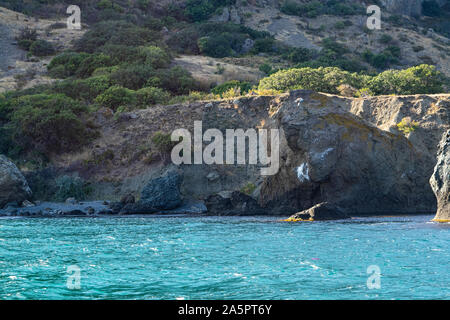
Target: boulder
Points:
(159, 195)
(128, 198)
(163, 193)
(13, 186)
(440, 180)
(53, 209)
(320, 212)
(233, 203)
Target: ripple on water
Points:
(223, 258)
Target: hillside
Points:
(94, 108)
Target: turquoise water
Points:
(223, 258)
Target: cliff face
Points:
(13, 186)
(440, 180)
(335, 157)
(327, 153)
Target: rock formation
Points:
(333, 156)
(13, 186)
(320, 212)
(328, 154)
(440, 180)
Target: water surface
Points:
(223, 258)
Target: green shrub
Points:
(243, 87)
(407, 125)
(155, 56)
(133, 76)
(92, 62)
(266, 45)
(248, 189)
(316, 8)
(84, 89)
(66, 64)
(26, 38)
(42, 48)
(200, 10)
(191, 97)
(48, 123)
(266, 68)
(384, 59)
(120, 53)
(299, 55)
(151, 96)
(423, 79)
(332, 45)
(116, 33)
(217, 39)
(320, 79)
(221, 44)
(385, 38)
(176, 80)
(163, 144)
(116, 96)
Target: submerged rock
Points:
(320, 212)
(13, 186)
(440, 180)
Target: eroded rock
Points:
(336, 157)
(13, 186)
(440, 180)
(320, 212)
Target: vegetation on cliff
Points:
(125, 61)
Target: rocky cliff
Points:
(440, 180)
(328, 154)
(13, 186)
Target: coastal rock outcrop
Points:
(13, 186)
(320, 212)
(333, 156)
(440, 180)
(342, 151)
(160, 194)
(233, 203)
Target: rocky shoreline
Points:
(335, 162)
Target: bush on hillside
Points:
(133, 76)
(151, 96)
(423, 79)
(243, 87)
(92, 62)
(176, 80)
(66, 64)
(42, 48)
(416, 80)
(115, 33)
(116, 96)
(320, 79)
(200, 10)
(48, 123)
(83, 89)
